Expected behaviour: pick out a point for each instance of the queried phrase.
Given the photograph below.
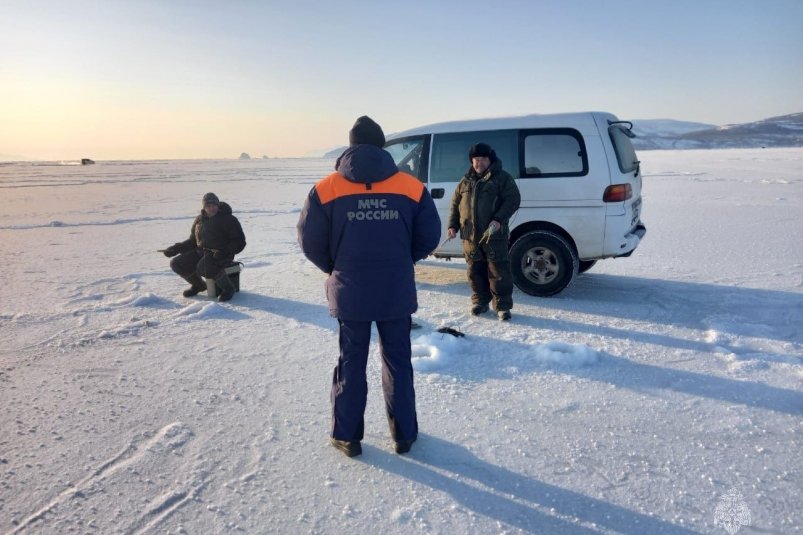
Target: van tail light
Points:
(617, 193)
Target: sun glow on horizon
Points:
(153, 80)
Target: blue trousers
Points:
(350, 386)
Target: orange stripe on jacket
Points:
(336, 185)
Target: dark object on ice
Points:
(403, 446)
(351, 448)
(245, 156)
(449, 330)
(86, 161)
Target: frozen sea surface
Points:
(653, 390)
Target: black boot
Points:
(403, 446)
(226, 287)
(351, 448)
(198, 285)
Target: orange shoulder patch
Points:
(327, 187)
(336, 185)
(408, 185)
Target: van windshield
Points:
(625, 153)
(408, 154)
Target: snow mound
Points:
(201, 310)
(572, 355)
(148, 299)
(131, 328)
(436, 350)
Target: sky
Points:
(196, 79)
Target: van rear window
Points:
(625, 153)
(553, 152)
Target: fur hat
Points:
(366, 132)
(481, 150)
(210, 198)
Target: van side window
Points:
(553, 152)
(450, 153)
(410, 155)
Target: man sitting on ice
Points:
(215, 238)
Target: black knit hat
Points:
(481, 150)
(210, 198)
(366, 132)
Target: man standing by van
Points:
(482, 205)
(365, 226)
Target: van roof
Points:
(578, 120)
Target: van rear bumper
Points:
(632, 239)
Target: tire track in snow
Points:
(170, 437)
(165, 506)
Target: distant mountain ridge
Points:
(781, 131)
(335, 153)
(651, 134)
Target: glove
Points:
(170, 251)
(495, 226)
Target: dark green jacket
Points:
(478, 200)
(220, 233)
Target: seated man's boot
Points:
(226, 287)
(478, 309)
(198, 285)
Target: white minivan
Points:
(579, 179)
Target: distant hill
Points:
(782, 131)
(334, 153)
(662, 133)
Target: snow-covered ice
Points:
(647, 394)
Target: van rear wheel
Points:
(543, 263)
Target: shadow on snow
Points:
(317, 315)
(515, 499)
(621, 372)
(740, 311)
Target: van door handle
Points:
(438, 193)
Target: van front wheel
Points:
(543, 263)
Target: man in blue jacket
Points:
(365, 226)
